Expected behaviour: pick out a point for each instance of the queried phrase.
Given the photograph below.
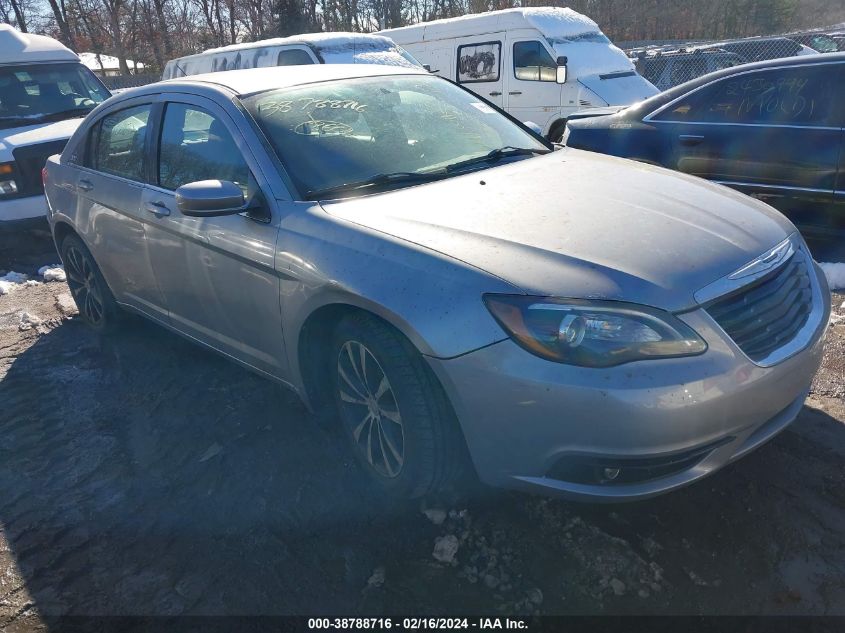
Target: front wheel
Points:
(556, 131)
(93, 297)
(392, 409)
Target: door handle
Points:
(690, 140)
(515, 92)
(158, 208)
(495, 93)
(85, 185)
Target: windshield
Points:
(331, 134)
(361, 50)
(824, 44)
(596, 37)
(35, 93)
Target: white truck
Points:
(45, 92)
(539, 64)
(297, 50)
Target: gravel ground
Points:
(142, 475)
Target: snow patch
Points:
(12, 281)
(371, 49)
(29, 321)
(66, 304)
(445, 548)
(835, 274)
(52, 272)
(13, 277)
(435, 515)
(559, 22)
(377, 578)
(386, 58)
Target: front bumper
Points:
(29, 208)
(523, 417)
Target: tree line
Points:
(153, 31)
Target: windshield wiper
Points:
(496, 155)
(398, 177)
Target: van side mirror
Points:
(207, 198)
(427, 67)
(562, 61)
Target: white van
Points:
(540, 64)
(297, 50)
(45, 92)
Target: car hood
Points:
(578, 224)
(12, 138)
(619, 88)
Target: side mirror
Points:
(427, 67)
(562, 61)
(206, 198)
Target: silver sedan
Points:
(459, 295)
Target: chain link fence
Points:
(672, 62)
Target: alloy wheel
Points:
(82, 280)
(369, 409)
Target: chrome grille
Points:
(769, 312)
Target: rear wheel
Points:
(391, 407)
(95, 301)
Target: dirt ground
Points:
(142, 475)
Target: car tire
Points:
(556, 131)
(89, 289)
(401, 427)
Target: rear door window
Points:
(119, 141)
(803, 96)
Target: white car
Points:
(297, 50)
(45, 92)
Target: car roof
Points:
(254, 80)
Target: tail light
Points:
(44, 176)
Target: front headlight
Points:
(592, 333)
(8, 185)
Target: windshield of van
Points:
(353, 135)
(363, 50)
(37, 93)
(596, 37)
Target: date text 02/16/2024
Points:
(413, 624)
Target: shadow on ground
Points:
(143, 475)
